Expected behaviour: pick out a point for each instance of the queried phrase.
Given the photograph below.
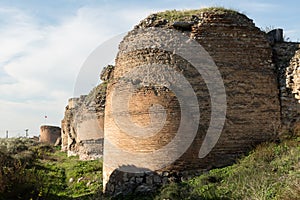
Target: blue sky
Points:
(43, 45)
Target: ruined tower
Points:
(150, 116)
(49, 134)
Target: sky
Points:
(44, 45)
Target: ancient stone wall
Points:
(243, 56)
(68, 132)
(285, 57)
(261, 77)
(293, 74)
(82, 126)
(49, 134)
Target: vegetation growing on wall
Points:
(176, 15)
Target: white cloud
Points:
(17, 31)
(39, 64)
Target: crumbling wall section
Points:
(82, 126)
(293, 77)
(288, 65)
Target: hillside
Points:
(31, 170)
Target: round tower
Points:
(49, 134)
(191, 91)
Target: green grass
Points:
(30, 170)
(86, 176)
(271, 171)
(175, 15)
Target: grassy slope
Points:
(31, 170)
(37, 171)
(271, 171)
(77, 178)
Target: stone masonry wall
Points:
(243, 56)
(261, 75)
(82, 126)
(49, 134)
(285, 56)
(68, 132)
(293, 77)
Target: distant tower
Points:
(49, 134)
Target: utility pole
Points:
(6, 134)
(26, 132)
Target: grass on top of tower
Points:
(181, 15)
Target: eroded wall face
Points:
(66, 129)
(88, 126)
(244, 59)
(287, 56)
(82, 126)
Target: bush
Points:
(32, 170)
